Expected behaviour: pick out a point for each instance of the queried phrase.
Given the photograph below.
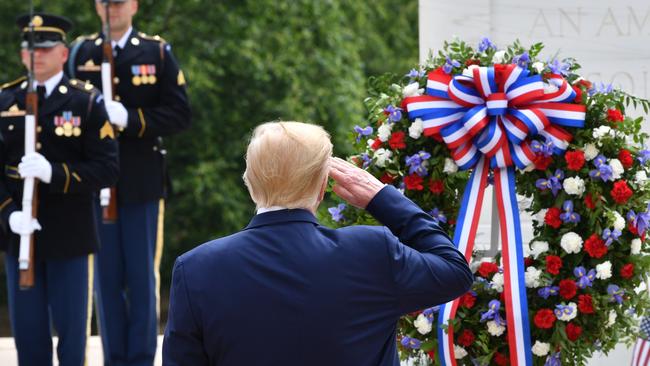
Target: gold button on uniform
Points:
(38, 146)
(135, 41)
(63, 89)
(117, 98)
(10, 127)
(39, 129)
(116, 80)
(98, 41)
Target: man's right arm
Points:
(182, 344)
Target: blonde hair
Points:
(286, 163)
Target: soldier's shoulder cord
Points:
(13, 83)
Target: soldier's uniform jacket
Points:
(151, 87)
(74, 135)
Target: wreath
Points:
(469, 118)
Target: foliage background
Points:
(246, 62)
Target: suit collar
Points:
(282, 216)
(59, 96)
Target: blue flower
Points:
(521, 60)
(417, 163)
(610, 236)
(603, 171)
(569, 215)
(554, 182)
(365, 131)
(394, 113)
(585, 279)
(615, 293)
(561, 310)
(415, 74)
(553, 360)
(644, 156)
(641, 221)
(409, 342)
(438, 216)
(366, 160)
(559, 67)
(544, 148)
(486, 44)
(493, 313)
(337, 212)
(449, 65)
(600, 88)
(548, 291)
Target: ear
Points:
(64, 54)
(323, 186)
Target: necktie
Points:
(40, 91)
(116, 51)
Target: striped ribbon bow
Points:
(488, 121)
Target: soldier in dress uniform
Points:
(76, 156)
(150, 102)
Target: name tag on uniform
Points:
(13, 111)
(143, 75)
(67, 125)
(89, 66)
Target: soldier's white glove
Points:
(117, 113)
(34, 165)
(22, 224)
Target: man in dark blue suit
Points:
(288, 291)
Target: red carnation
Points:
(626, 158)
(614, 115)
(574, 159)
(553, 264)
(568, 289)
(573, 331)
(436, 186)
(621, 192)
(413, 182)
(501, 359)
(467, 301)
(552, 217)
(595, 246)
(544, 318)
(387, 178)
(542, 162)
(472, 61)
(432, 354)
(578, 98)
(396, 140)
(585, 304)
(528, 261)
(589, 202)
(586, 83)
(487, 268)
(466, 338)
(627, 271)
(376, 144)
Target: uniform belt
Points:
(12, 172)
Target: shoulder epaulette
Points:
(13, 83)
(156, 38)
(82, 85)
(86, 37)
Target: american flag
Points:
(641, 352)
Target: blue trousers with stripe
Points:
(61, 297)
(127, 284)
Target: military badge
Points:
(67, 125)
(106, 131)
(89, 66)
(143, 75)
(13, 111)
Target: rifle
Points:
(108, 196)
(30, 185)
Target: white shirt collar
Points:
(50, 83)
(269, 209)
(122, 42)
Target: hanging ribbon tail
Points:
(513, 262)
(464, 237)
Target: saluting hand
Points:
(355, 185)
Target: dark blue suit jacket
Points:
(288, 291)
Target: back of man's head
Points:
(286, 164)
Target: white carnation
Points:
(415, 131)
(469, 71)
(539, 216)
(591, 151)
(619, 221)
(497, 282)
(450, 166)
(538, 66)
(641, 178)
(617, 168)
(538, 247)
(541, 349)
(459, 352)
(422, 324)
(635, 246)
(382, 156)
(572, 314)
(498, 57)
(495, 329)
(612, 319)
(412, 90)
(601, 132)
(574, 186)
(383, 132)
(370, 142)
(604, 270)
(532, 277)
(571, 242)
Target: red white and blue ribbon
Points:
(488, 121)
